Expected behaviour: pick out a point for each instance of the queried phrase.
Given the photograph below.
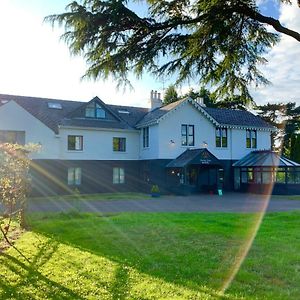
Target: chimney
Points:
(155, 100)
(200, 101)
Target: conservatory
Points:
(266, 172)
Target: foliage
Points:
(14, 185)
(155, 189)
(208, 98)
(286, 117)
(221, 43)
(170, 95)
(153, 256)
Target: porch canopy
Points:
(194, 157)
(265, 167)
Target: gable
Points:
(15, 117)
(230, 118)
(94, 109)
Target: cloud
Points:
(283, 69)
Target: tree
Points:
(222, 43)
(14, 186)
(286, 117)
(205, 94)
(170, 95)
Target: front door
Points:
(207, 179)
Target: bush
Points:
(155, 189)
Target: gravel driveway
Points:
(230, 202)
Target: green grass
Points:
(97, 197)
(153, 256)
(286, 197)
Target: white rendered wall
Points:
(14, 117)
(239, 148)
(150, 152)
(168, 129)
(98, 144)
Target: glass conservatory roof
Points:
(265, 158)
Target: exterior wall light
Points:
(205, 144)
(172, 142)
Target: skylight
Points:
(54, 105)
(123, 111)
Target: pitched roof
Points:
(236, 117)
(265, 158)
(125, 117)
(154, 115)
(53, 118)
(38, 107)
(220, 116)
(193, 156)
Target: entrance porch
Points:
(195, 171)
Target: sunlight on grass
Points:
(152, 256)
(65, 272)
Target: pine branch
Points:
(255, 15)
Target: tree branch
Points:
(267, 20)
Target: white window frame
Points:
(146, 137)
(78, 143)
(74, 176)
(118, 175)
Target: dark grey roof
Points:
(193, 156)
(94, 123)
(157, 113)
(52, 118)
(265, 158)
(136, 116)
(38, 107)
(225, 117)
(236, 117)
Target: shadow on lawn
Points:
(29, 275)
(172, 250)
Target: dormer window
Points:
(94, 110)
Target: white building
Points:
(97, 147)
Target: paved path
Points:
(230, 202)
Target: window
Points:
(119, 144)
(54, 105)
(94, 110)
(146, 137)
(75, 142)
(187, 135)
(74, 176)
(251, 138)
(221, 137)
(12, 137)
(118, 175)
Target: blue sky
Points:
(34, 62)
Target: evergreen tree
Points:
(286, 117)
(221, 43)
(170, 95)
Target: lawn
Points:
(97, 197)
(153, 256)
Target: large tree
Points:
(286, 117)
(222, 43)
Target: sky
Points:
(35, 62)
